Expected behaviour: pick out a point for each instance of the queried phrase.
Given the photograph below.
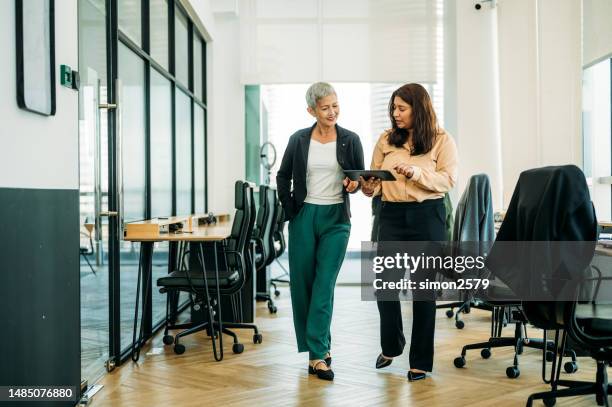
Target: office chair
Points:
(280, 245)
(473, 224)
(590, 326)
(207, 289)
(530, 217)
(263, 237)
(563, 218)
(85, 251)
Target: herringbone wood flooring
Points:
(274, 374)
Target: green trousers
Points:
(318, 237)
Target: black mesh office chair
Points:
(280, 245)
(263, 236)
(207, 287)
(532, 215)
(561, 216)
(473, 224)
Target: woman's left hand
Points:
(404, 169)
(350, 185)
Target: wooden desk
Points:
(147, 233)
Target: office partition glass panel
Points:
(93, 190)
(161, 176)
(131, 75)
(183, 153)
(181, 53)
(132, 104)
(129, 13)
(161, 145)
(197, 66)
(158, 18)
(199, 156)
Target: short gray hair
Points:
(317, 91)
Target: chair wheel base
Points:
(168, 339)
(459, 324)
(485, 353)
(257, 338)
(570, 367)
(272, 308)
(550, 402)
(513, 372)
(237, 348)
(179, 349)
(450, 313)
(459, 362)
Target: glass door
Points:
(93, 188)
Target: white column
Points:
(477, 111)
(540, 85)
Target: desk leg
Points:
(172, 297)
(144, 283)
(218, 356)
(218, 291)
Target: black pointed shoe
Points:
(382, 361)
(328, 361)
(414, 376)
(321, 374)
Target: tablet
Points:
(384, 175)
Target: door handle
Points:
(109, 213)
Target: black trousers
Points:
(411, 221)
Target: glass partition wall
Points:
(142, 115)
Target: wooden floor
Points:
(274, 374)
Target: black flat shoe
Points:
(382, 361)
(321, 374)
(414, 376)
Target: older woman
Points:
(319, 219)
(423, 158)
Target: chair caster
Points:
(600, 400)
(450, 313)
(467, 310)
(179, 349)
(459, 362)
(272, 308)
(513, 372)
(570, 367)
(550, 402)
(459, 324)
(485, 353)
(237, 348)
(257, 338)
(550, 356)
(276, 293)
(168, 339)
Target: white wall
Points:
(226, 142)
(225, 120)
(560, 81)
(518, 49)
(540, 85)
(39, 151)
(201, 14)
(476, 100)
(597, 30)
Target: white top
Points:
(323, 174)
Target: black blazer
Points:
(349, 154)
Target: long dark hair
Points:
(424, 121)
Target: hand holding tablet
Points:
(382, 175)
